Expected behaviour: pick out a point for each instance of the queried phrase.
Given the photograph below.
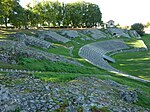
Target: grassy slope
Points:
(135, 63)
(144, 99)
(56, 49)
(44, 65)
(74, 71)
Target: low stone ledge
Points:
(19, 71)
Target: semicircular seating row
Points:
(95, 52)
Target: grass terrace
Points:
(135, 63)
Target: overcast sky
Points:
(124, 12)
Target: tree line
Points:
(50, 14)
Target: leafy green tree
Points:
(73, 14)
(6, 7)
(16, 15)
(40, 10)
(138, 27)
(67, 18)
(82, 14)
(32, 16)
(93, 15)
(59, 12)
(1, 17)
(49, 13)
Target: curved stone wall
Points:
(95, 52)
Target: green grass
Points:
(3, 36)
(59, 49)
(135, 63)
(84, 62)
(10, 66)
(136, 44)
(58, 77)
(56, 49)
(146, 39)
(28, 32)
(43, 65)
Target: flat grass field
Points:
(135, 63)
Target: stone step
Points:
(16, 70)
(95, 52)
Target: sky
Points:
(124, 12)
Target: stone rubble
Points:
(37, 42)
(20, 49)
(32, 40)
(29, 94)
(86, 38)
(6, 58)
(18, 71)
(71, 51)
(70, 33)
(117, 32)
(134, 34)
(53, 36)
(95, 33)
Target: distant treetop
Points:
(50, 14)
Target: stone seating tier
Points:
(37, 42)
(110, 46)
(55, 36)
(96, 58)
(95, 52)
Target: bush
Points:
(139, 28)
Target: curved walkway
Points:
(131, 77)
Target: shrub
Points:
(139, 28)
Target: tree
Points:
(138, 27)
(93, 15)
(59, 11)
(16, 15)
(40, 9)
(147, 24)
(82, 14)
(50, 13)
(53, 12)
(73, 14)
(6, 7)
(1, 16)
